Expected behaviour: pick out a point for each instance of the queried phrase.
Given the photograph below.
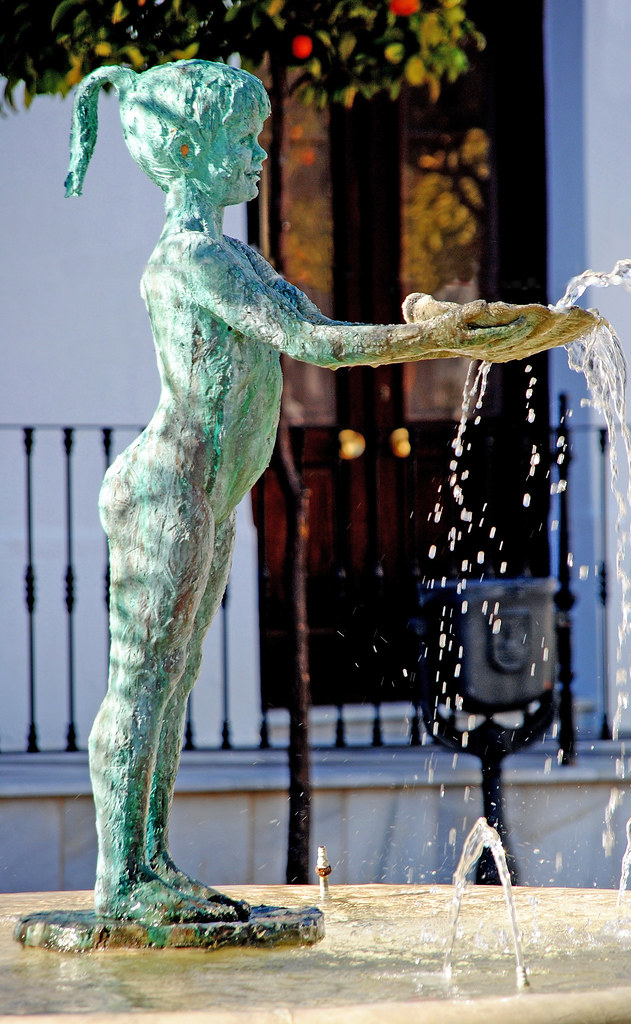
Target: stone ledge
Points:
(239, 771)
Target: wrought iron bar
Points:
(341, 562)
(340, 729)
(605, 728)
(372, 514)
(225, 669)
(376, 571)
(107, 435)
(414, 570)
(263, 597)
(564, 598)
(412, 464)
(377, 735)
(189, 739)
(415, 726)
(29, 440)
(71, 736)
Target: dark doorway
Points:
(380, 200)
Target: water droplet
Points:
(526, 501)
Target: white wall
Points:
(608, 202)
(385, 816)
(76, 348)
(589, 150)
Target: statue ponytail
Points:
(85, 120)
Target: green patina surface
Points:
(221, 317)
(76, 931)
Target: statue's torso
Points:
(221, 391)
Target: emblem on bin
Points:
(489, 646)
(509, 640)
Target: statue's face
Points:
(234, 158)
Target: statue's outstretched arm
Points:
(276, 315)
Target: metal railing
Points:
(60, 467)
(54, 594)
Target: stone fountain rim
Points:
(596, 1006)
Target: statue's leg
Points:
(171, 738)
(161, 535)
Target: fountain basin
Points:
(380, 960)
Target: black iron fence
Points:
(54, 594)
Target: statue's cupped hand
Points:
(498, 331)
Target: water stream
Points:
(626, 868)
(600, 358)
(482, 836)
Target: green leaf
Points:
(346, 46)
(61, 9)
(135, 56)
(119, 12)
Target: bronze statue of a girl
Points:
(221, 317)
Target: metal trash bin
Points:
(491, 644)
(488, 647)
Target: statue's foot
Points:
(152, 901)
(168, 871)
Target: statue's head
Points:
(191, 118)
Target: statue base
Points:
(77, 931)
